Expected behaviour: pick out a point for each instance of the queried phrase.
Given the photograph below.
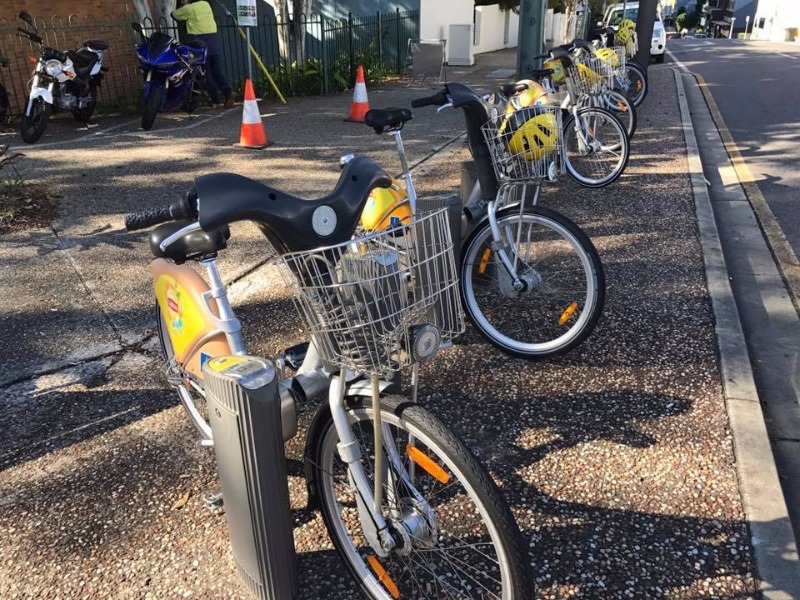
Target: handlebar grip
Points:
(438, 99)
(184, 209)
(147, 218)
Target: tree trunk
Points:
(644, 30)
(297, 31)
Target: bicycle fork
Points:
(388, 468)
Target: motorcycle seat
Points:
(194, 245)
(83, 60)
(196, 43)
(95, 45)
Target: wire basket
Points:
(525, 145)
(589, 75)
(366, 301)
(622, 57)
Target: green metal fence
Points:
(307, 55)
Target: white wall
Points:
(436, 16)
(490, 28)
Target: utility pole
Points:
(531, 36)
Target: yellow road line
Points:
(776, 239)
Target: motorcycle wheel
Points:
(33, 125)
(151, 106)
(83, 115)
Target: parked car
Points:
(658, 44)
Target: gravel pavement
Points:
(617, 458)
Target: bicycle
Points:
(419, 516)
(596, 148)
(588, 82)
(532, 296)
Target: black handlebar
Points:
(438, 99)
(30, 35)
(184, 209)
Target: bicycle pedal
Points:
(213, 501)
(295, 355)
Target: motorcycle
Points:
(173, 73)
(61, 81)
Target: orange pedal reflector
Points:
(568, 313)
(622, 107)
(484, 261)
(434, 470)
(383, 576)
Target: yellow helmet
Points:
(533, 132)
(535, 95)
(622, 36)
(559, 74)
(627, 24)
(386, 207)
(607, 55)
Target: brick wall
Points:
(66, 24)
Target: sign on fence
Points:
(246, 13)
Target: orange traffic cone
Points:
(360, 104)
(253, 135)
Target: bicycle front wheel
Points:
(455, 536)
(563, 285)
(596, 148)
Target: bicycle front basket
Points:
(363, 298)
(526, 144)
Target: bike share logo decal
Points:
(324, 221)
(174, 310)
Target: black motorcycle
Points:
(61, 81)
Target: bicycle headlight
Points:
(53, 67)
(424, 341)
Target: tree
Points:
(292, 30)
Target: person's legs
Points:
(215, 73)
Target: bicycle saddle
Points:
(391, 118)
(577, 43)
(290, 223)
(509, 89)
(190, 246)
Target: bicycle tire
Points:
(502, 319)
(492, 519)
(192, 401)
(601, 161)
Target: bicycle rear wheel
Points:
(456, 537)
(637, 78)
(192, 396)
(595, 148)
(622, 108)
(564, 283)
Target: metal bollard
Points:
(244, 407)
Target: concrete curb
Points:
(771, 534)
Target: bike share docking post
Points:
(244, 407)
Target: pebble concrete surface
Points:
(616, 459)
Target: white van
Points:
(658, 45)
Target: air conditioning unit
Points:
(459, 46)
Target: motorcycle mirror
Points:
(26, 17)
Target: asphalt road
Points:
(756, 86)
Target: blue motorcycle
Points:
(174, 73)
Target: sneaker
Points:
(229, 99)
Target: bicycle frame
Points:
(201, 324)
